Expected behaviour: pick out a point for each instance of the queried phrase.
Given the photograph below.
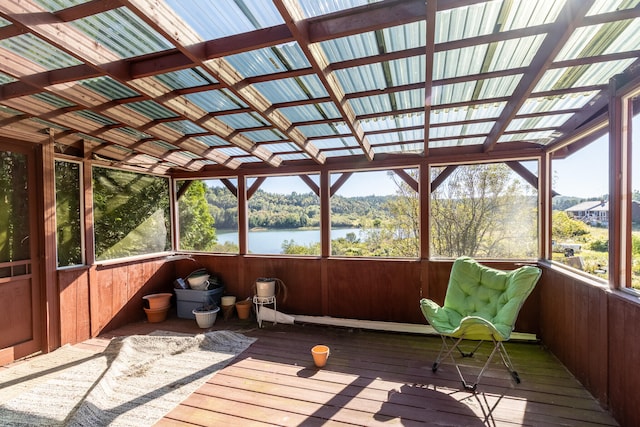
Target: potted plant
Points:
(206, 315)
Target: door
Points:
(20, 303)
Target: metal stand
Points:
(259, 302)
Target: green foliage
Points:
(131, 213)
(565, 227)
(68, 219)
(599, 245)
(290, 247)
(635, 244)
(14, 207)
(197, 225)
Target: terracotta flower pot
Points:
(155, 315)
(320, 355)
(244, 309)
(158, 300)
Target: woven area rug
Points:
(134, 382)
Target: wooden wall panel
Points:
(73, 288)
(624, 354)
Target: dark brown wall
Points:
(594, 333)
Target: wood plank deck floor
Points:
(371, 378)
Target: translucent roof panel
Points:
(305, 113)
(264, 135)
(330, 143)
(109, 88)
(388, 102)
(475, 112)
(311, 8)
(554, 120)
(185, 127)
(286, 147)
(212, 140)
(604, 6)
(382, 75)
(363, 45)
(53, 100)
(39, 52)
(462, 129)
(613, 37)
(300, 156)
(457, 142)
(475, 90)
(391, 137)
(581, 75)
(233, 151)
(243, 120)
(5, 78)
(393, 122)
(414, 147)
(541, 137)
(98, 118)
(275, 59)
(214, 19)
(216, 100)
(187, 78)
(326, 129)
(557, 103)
(56, 5)
(152, 109)
(484, 18)
(122, 32)
(285, 90)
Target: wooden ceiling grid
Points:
(34, 99)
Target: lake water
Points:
(270, 241)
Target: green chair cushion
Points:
(481, 302)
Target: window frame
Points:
(81, 201)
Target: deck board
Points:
(372, 378)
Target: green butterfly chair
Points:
(481, 304)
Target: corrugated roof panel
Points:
(604, 6)
(216, 100)
(373, 76)
(311, 8)
(613, 37)
(243, 120)
(185, 127)
(48, 124)
(351, 47)
(408, 99)
(541, 137)
(214, 19)
(458, 142)
(528, 13)
(467, 21)
(325, 129)
(305, 113)
(459, 62)
(264, 135)
(475, 90)
(292, 89)
(163, 145)
(402, 37)
(294, 156)
(56, 5)
(462, 129)
(275, 59)
(371, 104)
(133, 132)
(53, 100)
(151, 109)
(39, 52)
(539, 122)
(212, 140)
(385, 138)
(582, 75)
(109, 88)
(233, 151)
(283, 148)
(476, 112)
(4, 22)
(122, 32)
(341, 153)
(190, 77)
(98, 118)
(414, 147)
(556, 103)
(5, 78)
(392, 122)
(329, 143)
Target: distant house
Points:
(596, 212)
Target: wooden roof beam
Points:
(568, 20)
(293, 17)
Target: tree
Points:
(565, 227)
(197, 225)
(480, 210)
